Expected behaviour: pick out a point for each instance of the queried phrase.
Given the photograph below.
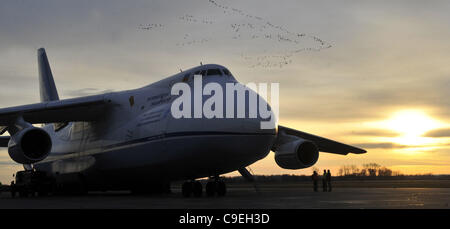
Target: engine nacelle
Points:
(297, 153)
(29, 145)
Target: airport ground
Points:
(393, 194)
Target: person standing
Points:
(329, 180)
(13, 189)
(315, 178)
(324, 181)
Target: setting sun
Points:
(412, 122)
(411, 125)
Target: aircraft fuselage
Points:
(139, 140)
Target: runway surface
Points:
(272, 197)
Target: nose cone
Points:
(244, 110)
(241, 130)
(259, 115)
(260, 125)
(225, 105)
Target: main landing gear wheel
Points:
(186, 189)
(221, 188)
(216, 187)
(198, 189)
(192, 188)
(210, 188)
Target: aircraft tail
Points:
(47, 87)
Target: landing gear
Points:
(210, 188)
(192, 188)
(216, 187)
(29, 183)
(221, 188)
(198, 189)
(187, 188)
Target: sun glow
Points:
(411, 125)
(411, 122)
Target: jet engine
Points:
(296, 153)
(29, 145)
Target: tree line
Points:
(367, 170)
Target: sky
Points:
(374, 74)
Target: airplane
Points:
(128, 140)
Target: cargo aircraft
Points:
(129, 140)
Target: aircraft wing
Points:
(323, 144)
(88, 108)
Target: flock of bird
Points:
(150, 26)
(192, 41)
(193, 19)
(249, 29)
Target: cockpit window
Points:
(202, 73)
(212, 72)
(226, 72)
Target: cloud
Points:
(86, 92)
(8, 163)
(382, 145)
(438, 133)
(391, 145)
(375, 133)
(415, 162)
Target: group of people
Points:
(326, 181)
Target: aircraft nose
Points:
(260, 118)
(229, 106)
(256, 125)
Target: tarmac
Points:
(247, 197)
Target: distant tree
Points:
(354, 170)
(384, 172)
(372, 168)
(369, 169)
(363, 172)
(346, 170)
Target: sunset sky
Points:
(375, 74)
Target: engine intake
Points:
(297, 153)
(29, 145)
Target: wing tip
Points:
(359, 151)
